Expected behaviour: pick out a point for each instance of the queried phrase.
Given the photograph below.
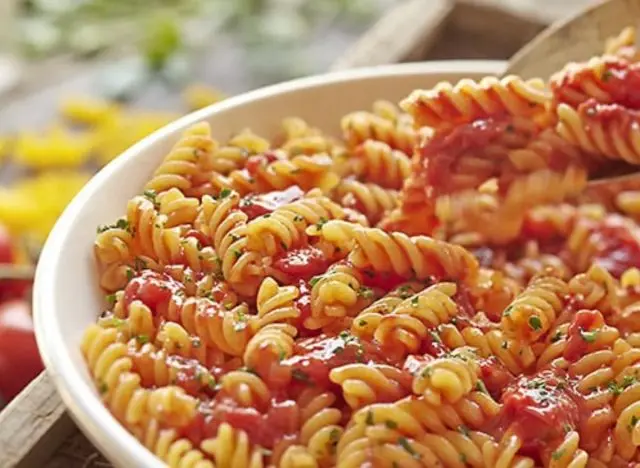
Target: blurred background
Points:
(81, 80)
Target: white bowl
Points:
(66, 296)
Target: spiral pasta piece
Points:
(231, 448)
(614, 137)
(358, 127)
(377, 162)
(448, 104)
(372, 200)
(335, 295)
(419, 256)
(275, 303)
(535, 310)
(188, 161)
(226, 225)
(448, 378)
(284, 228)
(364, 384)
(321, 427)
(412, 319)
(277, 172)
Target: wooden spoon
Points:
(577, 39)
(574, 39)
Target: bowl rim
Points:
(87, 410)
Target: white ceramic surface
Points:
(66, 295)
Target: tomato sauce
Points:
(540, 409)
(189, 373)
(495, 376)
(314, 357)
(384, 281)
(302, 263)
(441, 153)
(265, 428)
(620, 80)
(618, 245)
(581, 333)
(255, 205)
(153, 289)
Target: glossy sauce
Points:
(618, 245)
(314, 357)
(441, 153)
(265, 428)
(255, 205)
(302, 263)
(541, 409)
(580, 333)
(260, 161)
(619, 79)
(153, 289)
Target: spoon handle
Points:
(577, 38)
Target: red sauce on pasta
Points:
(620, 80)
(495, 376)
(385, 281)
(265, 428)
(255, 205)
(302, 263)
(580, 333)
(441, 153)
(414, 363)
(618, 245)
(541, 409)
(152, 289)
(314, 357)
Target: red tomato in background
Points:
(10, 289)
(19, 358)
(6, 246)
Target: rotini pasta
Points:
(430, 289)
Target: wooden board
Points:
(35, 430)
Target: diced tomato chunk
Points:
(255, 205)
(302, 263)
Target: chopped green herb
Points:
(284, 245)
(142, 339)
(369, 419)
(237, 253)
(111, 299)
(130, 274)
(557, 336)
(334, 437)
(224, 193)
(212, 383)
(391, 424)
(365, 293)
(102, 387)
(606, 76)
(298, 218)
(362, 323)
(313, 281)
(507, 311)
(632, 423)
(404, 443)
(535, 323)
(464, 430)
(463, 458)
(589, 336)
(504, 345)
(481, 387)
(195, 342)
(414, 301)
